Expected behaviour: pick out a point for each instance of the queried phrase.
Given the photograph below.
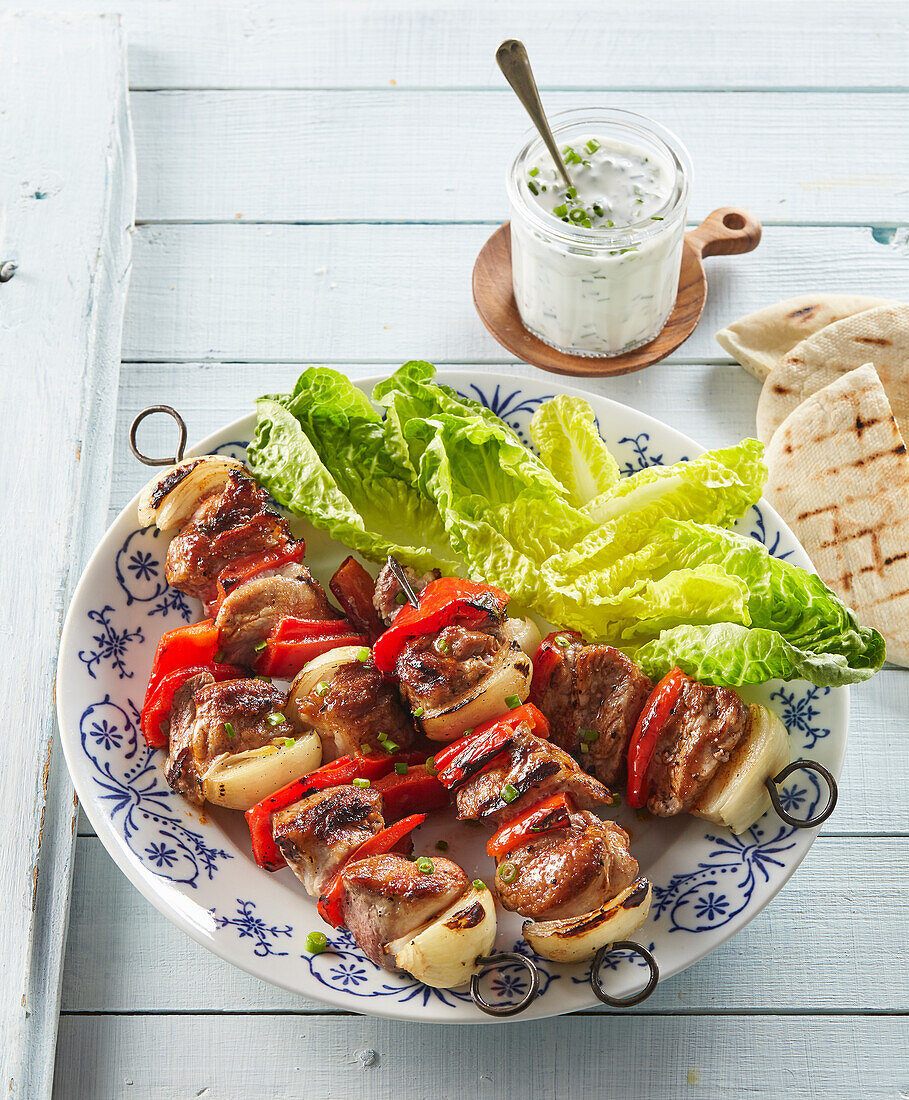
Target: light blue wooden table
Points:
(315, 180)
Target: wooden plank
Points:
(386, 292)
(719, 44)
(117, 941)
(442, 156)
(637, 1058)
(70, 195)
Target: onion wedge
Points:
(443, 953)
(509, 675)
(577, 938)
(523, 631)
(240, 780)
(171, 497)
(319, 669)
(737, 796)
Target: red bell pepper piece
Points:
(463, 759)
(550, 813)
(643, 741)
(353, 588)
(414, 792)
(294, 642)
(244, 569)
(527, 713)
(194, 645)
(337, 773)
(548, 658)
(330, 902)
(159, 698)
(442, 602)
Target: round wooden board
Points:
(726, 231)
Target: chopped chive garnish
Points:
(534, 172)
(322, 688)
(654, 218)
(390, 746)
(229, 729)
(622, 251)
(361, 783)
(563, 640)
(418, 713)
(401, 598)
(316, 942)
(266, 679)
(592, 145)
(616, 799)
(363, 655)
(479, 884)
(275, 719)
(442, 845)
(560, 211)
(590, 735)
(611, 225)
(572, 192)
(219, 657)
(534, 190)
(430, 766)
(584, 747)
(400, 769)
(260, 646)
(425, 865)
(382, 736)
(289, 742)
(442, 645)
(508, 872)
(365, 749)
(510, 793)
(598, 210)
(512, 701)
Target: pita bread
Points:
(761, 340)
(879, 336)
(839, 475)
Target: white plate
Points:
(707, 883)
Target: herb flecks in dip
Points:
(614, 184)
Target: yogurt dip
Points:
(595, 267)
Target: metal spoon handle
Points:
(515, 66)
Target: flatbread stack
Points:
(834, 412)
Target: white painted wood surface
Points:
(246, 266)
(67, 184)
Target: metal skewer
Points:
(808, 766)
(397, 571)
(134, 447)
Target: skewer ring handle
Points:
(133, 446)
(504, 958)
(633, 998)
(808, 766)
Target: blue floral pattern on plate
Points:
(721, 880)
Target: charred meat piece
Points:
(700, 735)
(568, 872)
(228, 525)
(210, 719)
(387, 896)
(359, 705)
(531, 770)
(436, 669)
(319, 833)
(252, 610)
(353, 588)
(387, 598)
(594, 697)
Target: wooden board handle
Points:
(728, 231)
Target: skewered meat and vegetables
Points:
(388, 596)
(592, 696)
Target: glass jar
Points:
(599, 291)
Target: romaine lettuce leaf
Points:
(566, 435)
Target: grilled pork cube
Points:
(317, 834)
(567, 872)
(436, 669)
(594, 697)
(210, 719)
(359, 705)
(532, 770)
(387, 896)
(700, 735)
(228, 525)
(386, 599)
(252, 610)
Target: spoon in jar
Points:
(515, 66)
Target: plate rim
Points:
(156, 890)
